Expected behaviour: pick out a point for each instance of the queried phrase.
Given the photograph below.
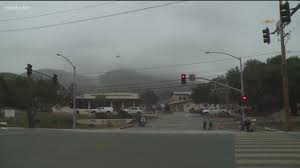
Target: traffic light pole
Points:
(74, 89)
(284, 71)
(242, 81)
(242, 89)
(74, 98)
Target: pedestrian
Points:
(247, 124)
(138, 118)
(242, 124)
(210, 125)
(204, 124)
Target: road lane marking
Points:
(267, 155)
(269, 140)
(265, 162)
(268, 145)
(267, 150)
(263, 143)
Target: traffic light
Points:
(285, 14)
(71, 102)
(266, 35)
(54, 79)
(29, 70)
(244, 98)
(183, 78)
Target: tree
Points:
(200, 94)
(29, 95)
(263, 83)
(150, 98)
(233, 77)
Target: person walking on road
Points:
(204, 124)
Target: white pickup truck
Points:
(134, 110)
(102, 110)
(214, 110)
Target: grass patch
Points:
(46, 120)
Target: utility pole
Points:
(227, 98)
(284, 70)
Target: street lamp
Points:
(74, 88)
(241, 69)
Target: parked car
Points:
(134, 110)
(102, 110)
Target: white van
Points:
(102, 110)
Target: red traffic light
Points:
(183, 78)
(244, 98)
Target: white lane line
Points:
(268, 140)
(267, 150)
(267, 162)
(263, 143)
(249, 155)
(268, 145)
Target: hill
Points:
(66, 78)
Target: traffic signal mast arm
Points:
(42, 73)
(54, 77)
(233, 88)
(295, 9)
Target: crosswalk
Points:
(266, 150)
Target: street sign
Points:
(192, 77)
(9, 113)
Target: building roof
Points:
(112, 95)
(180, 102)
(182, 93)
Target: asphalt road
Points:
(54, 148)
(174, 141)
(175, 121)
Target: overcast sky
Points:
(175, 34)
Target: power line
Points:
(56, 12)
(154, 88)
(144, 84)
(92, 18)
(194, 63)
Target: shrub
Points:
(101, 115)
(124, 114)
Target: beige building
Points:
(117, 100)
(182, 102)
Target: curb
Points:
(127, 126)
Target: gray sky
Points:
(167, 35)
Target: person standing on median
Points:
(210, 124)
(204, 123)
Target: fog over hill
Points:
(120, 80)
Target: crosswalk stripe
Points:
(267, 155)
(262, 138)
(268, 140)
(267, 145)
(266, 167)
(267, 150)
(263, 143)
(264, 162)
